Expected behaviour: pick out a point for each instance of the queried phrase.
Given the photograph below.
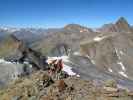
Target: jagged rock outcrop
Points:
(35, 58)
(60, 49)
(120, 26)
(13, 49)
(108, 28)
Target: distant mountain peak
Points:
(122, 20)
(122, 25)
(77, 28)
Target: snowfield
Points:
(123, 74)
(66, 68)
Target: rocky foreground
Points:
(40, 86)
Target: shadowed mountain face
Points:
(8, 47)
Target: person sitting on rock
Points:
(52, 66)
(56, 66)
(59, 66)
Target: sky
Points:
(57, 13)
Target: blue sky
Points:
(57, 13)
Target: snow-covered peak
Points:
(9, 29)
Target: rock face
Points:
(111, 53)
(20, 60)
(108, 28)
(112, 50)
(10, 71)
(35, 58)
(120, 26)
(60, 49)
(8, 47)
(71, 88)
(16, 49)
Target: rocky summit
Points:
(69, 63)
(38, 86)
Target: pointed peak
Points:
(122, 25)
(122, 20)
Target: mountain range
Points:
(101, 54)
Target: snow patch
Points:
(123, 74)
(110, 70)
(121, 52)
(93, 62)
(122, 66)
(77, 53)
(97, 39)
(64, 58)
(88, 56)
(2, 61)
(68, 69)
(78, 75)
(117, 53)
(81, 31)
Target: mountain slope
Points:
(111, 53)
(107, 53)
(8, 47)
(70, 35)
